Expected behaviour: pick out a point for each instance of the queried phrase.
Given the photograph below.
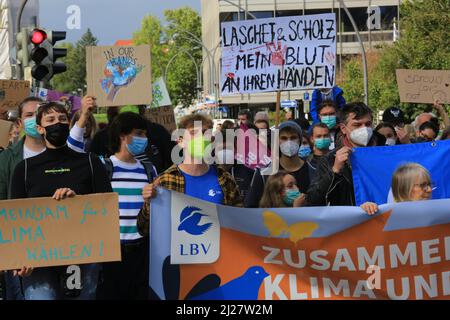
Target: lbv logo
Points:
(192, 222)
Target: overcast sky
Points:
(109, 20)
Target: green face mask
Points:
(197, 147)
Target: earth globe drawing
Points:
(119, 73)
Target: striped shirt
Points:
(128, 179)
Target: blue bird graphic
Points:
(246, 287)
(189, 221)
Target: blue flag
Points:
(373, 168)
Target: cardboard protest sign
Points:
(163, 116)
(41, 232)
(12, 92)
(119, 75)
(423, 86)
(160, 94)
(288, 53)
(5, 126)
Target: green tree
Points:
(151, 33)
(424, 44)
(75, 76)
(183, 30)
(169, 43)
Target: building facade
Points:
(377, 22)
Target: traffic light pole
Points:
(19, 70)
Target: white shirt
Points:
(28, 153)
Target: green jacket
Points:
(9, 158)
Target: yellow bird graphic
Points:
(278, 227)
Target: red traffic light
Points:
(38, 36)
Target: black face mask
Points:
(57, 134)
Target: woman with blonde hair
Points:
(280, 191)
(410, 182)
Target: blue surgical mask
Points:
(304, 151)
(290, 195)
(30, 128)
(330, 121)
(323, 143)
(137, 145)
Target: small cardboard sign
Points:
(119, 75)
(424, 86)
(42, 232)
(12, 92)
(163, 116)
(5, 126)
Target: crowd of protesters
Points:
(132, 156)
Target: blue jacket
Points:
(316, 100)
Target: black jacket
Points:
(329, 188)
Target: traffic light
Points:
(45, 55)
(23, 47)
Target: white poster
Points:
(195, 236)
(288, 53)
(160, 94)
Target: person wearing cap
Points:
(333, 182)
(290, 137)
(396, 118)
(334, 94)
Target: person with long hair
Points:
(410, 182)
(280, 191)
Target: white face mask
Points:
(361, 136)
(390, 142)
(225, 156)
(289, 148)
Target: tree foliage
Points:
(174, 43)
(424, 44)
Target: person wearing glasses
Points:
(410, 182)
(58, 172)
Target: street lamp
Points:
(212, 64)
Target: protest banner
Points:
(160, 94)
(423, 86)
(163, 116)
(52, 95)
(41, 232)
(287, 53)
(5, 126)
(119, 75)
(372, 181)
(12, 92)
(402, 252)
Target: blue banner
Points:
(373, 168)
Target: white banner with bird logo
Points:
(195, 231)
(401, 252)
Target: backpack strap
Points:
(109, 167)
(92, 173)
(150, 170)
(25, 176)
